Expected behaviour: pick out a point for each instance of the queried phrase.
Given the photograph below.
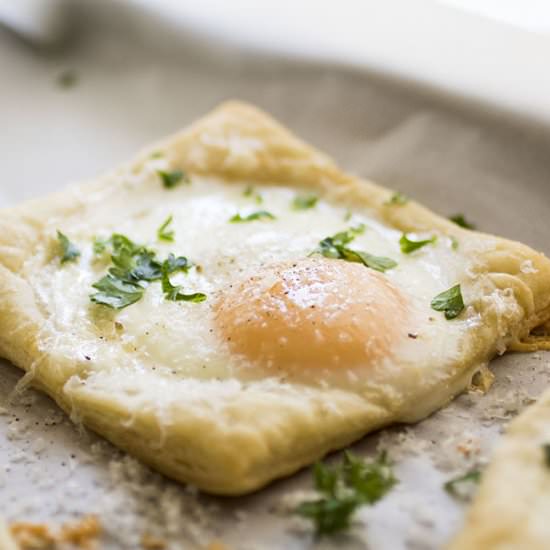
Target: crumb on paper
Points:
(469, 447)
(82, 534)
(148, 542)
(32, 536)
(482, 380)
(126, 509)
(508, 406)
(402, 444)
(458, 451)
(38, 445)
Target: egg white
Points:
(179, 341)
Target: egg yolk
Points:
(313, 313)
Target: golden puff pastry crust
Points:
(510, 510)
(228, 437)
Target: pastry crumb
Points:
(81, 534)
(482, 380)
(32, 536)
(148, 542)
(468, 447)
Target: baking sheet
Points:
(131, 90)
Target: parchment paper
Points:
(131, 89)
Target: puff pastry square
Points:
(135, 376)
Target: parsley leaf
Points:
(69, 251)
(398, 199)
(371, 480)
(173, 178)
(120, 242)
(163, 233)
(100, 245)
(330, 515)
(325, 478)
(450, 301)
(250, 192)
(116, 293)
(408, 246)
(146, 267)
(343, 489)
(173, 293)
(304, 202)
(335, 247)
(133, 262)
(460, 220)
(328, 247)
(546, 451)
(173, 264)
(378, 263)
(258, 215)
(460, 486)
(133, 267)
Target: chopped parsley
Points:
(378, 263)
(133, 267)
(460, 220)
(69, 251)
(116, 293)
(133, 262)
(546, 451)
(461, 486)
(398, 199)
(173, 178)
(179, 263)
(343, 489)
(165, 234)
(336, 247)
(408, 246)
(251, 193)
(304, 202)
(100, 245)
(450, 301)
(348, 215)
(173, 293)
(371, 480)
(329, 246)
(454, 242)
(258, 215)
